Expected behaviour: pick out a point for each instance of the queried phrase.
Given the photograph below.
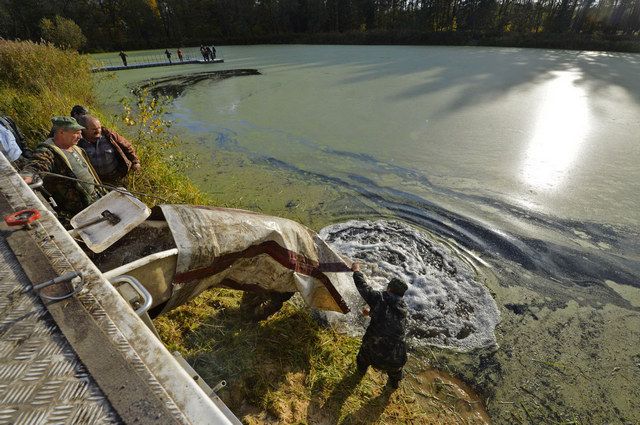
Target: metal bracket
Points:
(67, 277)
(207, 389)
(140, 307)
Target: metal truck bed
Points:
(85, 359)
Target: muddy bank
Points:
(175, 86)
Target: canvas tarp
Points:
(250, 251)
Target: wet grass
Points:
(289, 369)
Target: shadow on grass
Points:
(371, 411)
(287, 369)
(346, 396)
(255, 359)
(332, 406)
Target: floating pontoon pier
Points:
(138, 65)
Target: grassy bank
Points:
(38, 81)
(287, 369)
(290, 370)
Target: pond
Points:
(525, 161)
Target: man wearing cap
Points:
(383, 345)
(60, 155)
(78, 110)
(111, 155)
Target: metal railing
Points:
(188, 55)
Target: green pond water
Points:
(526, 159)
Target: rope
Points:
(106, 186)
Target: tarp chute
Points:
(250, 251)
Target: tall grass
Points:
(38, 81)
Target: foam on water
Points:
(447, 306)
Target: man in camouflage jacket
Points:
(60, 155)
(383, 345)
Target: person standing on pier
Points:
(123, 56)
(204, 53)
(168, 54)
(213, 52)
(179, 52)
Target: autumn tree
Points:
(62, 32)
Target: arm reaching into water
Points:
(371, 296)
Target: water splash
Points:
(448, 307)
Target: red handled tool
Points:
(22, 217)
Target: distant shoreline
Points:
(564, 41)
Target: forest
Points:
(98, 25)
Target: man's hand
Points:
(365, 311)
(27, 179)
(355, 266)
(135, 167)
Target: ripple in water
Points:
(447, 306)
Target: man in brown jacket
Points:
(111, 155)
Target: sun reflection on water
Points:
(560, 128)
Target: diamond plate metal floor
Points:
(41, 379)
(53, 357)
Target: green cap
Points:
(67, 123)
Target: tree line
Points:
(127, 24)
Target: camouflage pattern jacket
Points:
(70, 196)
(383, 343)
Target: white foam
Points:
(447, 306)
